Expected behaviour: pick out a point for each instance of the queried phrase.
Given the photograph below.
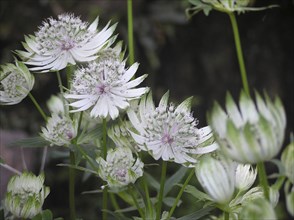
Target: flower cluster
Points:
(25, 195)
(16, 82)
(169, 132)
(64, 41)
(105, 85)
(120, 168)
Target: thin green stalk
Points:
(104, 154)
(227, 215)
(114, 203)
(72, 187)
(38, 106)
(149, 204)
(59, 82)
(160, 195)
(239, 52)
(263, 179)
(136, 203)
(180, 194)
(130, 32)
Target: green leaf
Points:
(176, 178)
(96, 133)
(30, 142)
(198, 214)
(169, 201)
(77, 168)
(201, 196)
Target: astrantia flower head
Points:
(105, 85)
(169, 132)
(16, 82)
(227, 6)
(120, 168)
(287, 160)
(64, 41)
(216, 174)
(252, 134)
(60, 130)
(25, 195)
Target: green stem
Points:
(180, 193)
(263, 179)
(59, 82)
(86, 157)
(114, 203)
(136, 203)
(38, 106)
(149, 204)
(72, 187)
(239, 52)
(104, 154)
(130, 32)
(160, 195)
(227, 215)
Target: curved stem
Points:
(59, 82)
(263, 179)
(44, 155)
(180, 194)
(72, 187)
(149, 204)
(130, 32)
(38, 106)
(11, 169)
(239, 52)
(160, 195)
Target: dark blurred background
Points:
(190, 57)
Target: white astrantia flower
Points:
(105, 85)
(216, 174)
(25, 195)
(169, 132)
(60, 130)
(227, 6)
(245, 176)
(252, 133)
(16, 82)
(120, 168)
(121, 137)
(62, 41)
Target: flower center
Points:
(167, 139)
(67, 44)
(101, 89)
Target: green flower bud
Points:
(25, 195)
(258, 209)
(16, 82)
(252, 133)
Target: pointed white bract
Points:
(252, 132)
(120, 168)
(60, 130)
(245, 176)
(63, 41)
(169, 132)
(25, 195)
(105, 86)
(16, 82)
(216, 174)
